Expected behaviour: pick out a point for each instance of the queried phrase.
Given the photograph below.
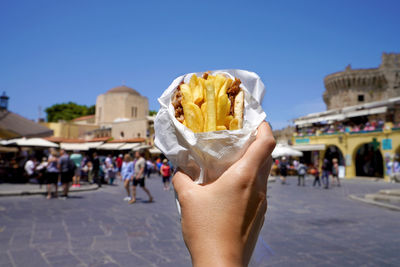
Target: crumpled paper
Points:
(205, 156)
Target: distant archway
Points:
(369, 161)
(333, 152)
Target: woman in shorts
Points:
(127, 171)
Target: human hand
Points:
(221, 220)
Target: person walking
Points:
(109, 167)
(96, 169)
(127, 170)
(166, 174)
(67, 168)
(77, 158)
(139, 176)
(119, 162)
(41, 169)
(335, 171)
(283, 170)
(52, 173)
(301, 171)
(315, 173)
(325, 173)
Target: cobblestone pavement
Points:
(305, 226)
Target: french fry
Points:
(198, 92)
(193, 117)
(186, 93)
(225, 87)
(221, 128)
(234, 124)
(193, 81)
(223, 107)
(204, 112)
(218, 82)
(211, 106)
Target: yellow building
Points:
(361, 127)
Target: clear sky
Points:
(59, 51)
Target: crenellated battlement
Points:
(355, 86)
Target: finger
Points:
(262, 147)
(182, 182)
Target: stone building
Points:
(123, 111)
(358, 86)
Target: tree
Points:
(68, 111)
(152, 112)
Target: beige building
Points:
(124, 111)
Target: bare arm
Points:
(221, 221)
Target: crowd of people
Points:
(341, 127)
(328, 171)
(58, 168)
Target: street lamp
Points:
(4, 101)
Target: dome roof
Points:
(122, 89)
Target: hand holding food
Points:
(210, 103)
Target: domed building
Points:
(123, 111)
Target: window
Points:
(360, 98)
(134, 112)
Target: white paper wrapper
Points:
(205, 156)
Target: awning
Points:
(110, 146)
(129, 146)
(335, 117)
(365, 112)
(285, 151)
(74, 146)
(30, 142)
(154, 150)
(141, 147)
(91, 145)
(310, 147)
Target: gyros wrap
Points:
(192, 144)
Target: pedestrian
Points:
(41, 169)
(127, 170)
(149, 167)
(67, 168)
(166, 174)
(325, 173)
(29, 168)
(301, 171)
(315, 172)
(283, 170)
(52, 173)
(119, 162)
(109, 167)
(96, 169)
(139, 178)
(335, 172)
(158, 165)
(77, 158)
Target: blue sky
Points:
(59, 51)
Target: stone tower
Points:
(358, 86)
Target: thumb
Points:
(182, 182)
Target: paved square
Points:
(305, 226)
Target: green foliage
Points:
(68, 111)
(152, 112)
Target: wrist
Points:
(220, 255)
